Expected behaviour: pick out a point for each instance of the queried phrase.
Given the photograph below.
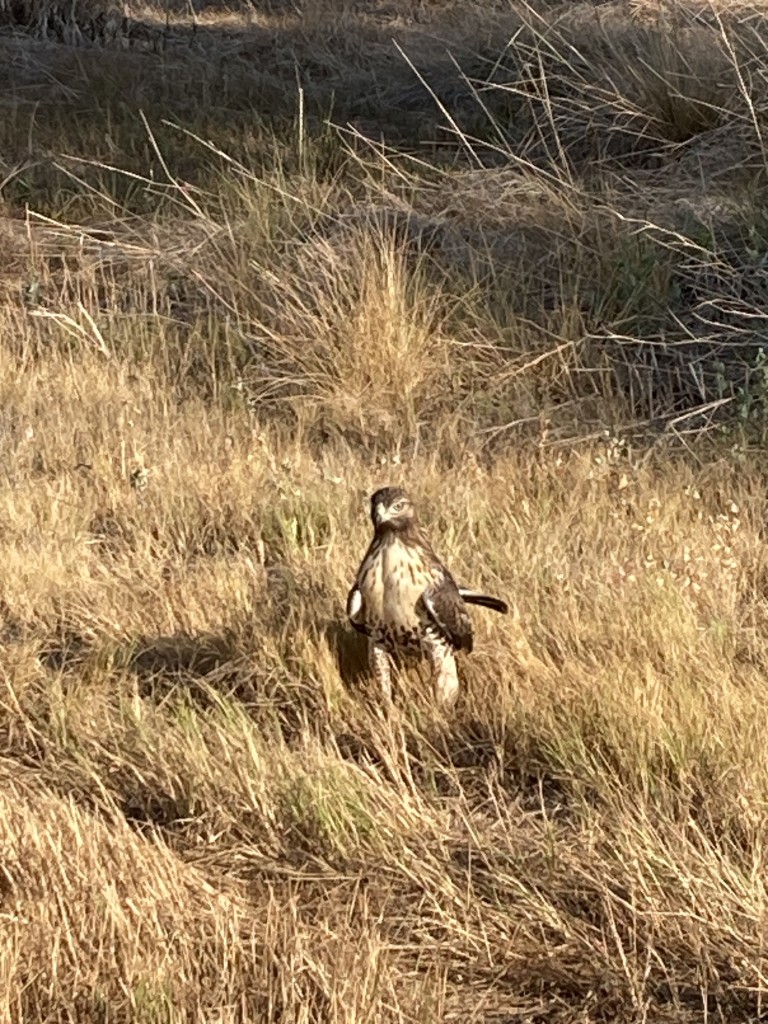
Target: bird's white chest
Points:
(393, 584)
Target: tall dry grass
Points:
(215, 340)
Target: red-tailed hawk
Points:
(404, 597)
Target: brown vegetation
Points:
(256, 262)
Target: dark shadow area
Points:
(348, 68)
(181, 655)
(199, 669)
(65, 651)
(350, 651)
(218, 78)
(195, 667)
(349, 71)
(204, 667)
(149, 807)
(160, 663)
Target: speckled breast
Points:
(391, 585)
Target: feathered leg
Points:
(444, 673)
(381, 666)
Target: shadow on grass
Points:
(65, 651)
(206, 668)
(232, 82)
(350, 651)
(201, 669)
(182, 655)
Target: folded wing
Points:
(448, 614)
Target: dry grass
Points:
(537, 299)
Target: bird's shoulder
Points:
(369, 561)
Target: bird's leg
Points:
(444, 673)
(381, 666)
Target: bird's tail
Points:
(474, 597)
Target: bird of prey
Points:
(405, 598)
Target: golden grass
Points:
(548, 326)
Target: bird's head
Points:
(392, 509)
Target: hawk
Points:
(405, 598)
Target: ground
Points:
(256, 262)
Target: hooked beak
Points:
(380, 514)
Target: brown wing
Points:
(446, 609)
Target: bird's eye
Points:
(398, 506)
